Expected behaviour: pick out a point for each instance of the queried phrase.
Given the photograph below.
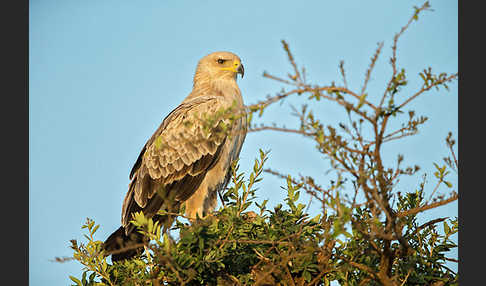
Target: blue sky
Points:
(103, 75)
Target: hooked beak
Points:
(241, 70)
(236, 67)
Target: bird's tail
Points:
(122, 246)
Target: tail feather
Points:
(122, 246)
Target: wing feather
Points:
(179, 151)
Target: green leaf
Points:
(362, 99)
(316, 218)
(447, 229)
(104, 265)
(76, 280)
(84, 278)
(307, 276)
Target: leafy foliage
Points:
(371, 239)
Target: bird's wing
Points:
(183, 148)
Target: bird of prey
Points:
(188, 158)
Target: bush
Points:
(376, 240)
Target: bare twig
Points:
(297, 76)
(428, 87)
(343, 74)
(427, 207)
(281, 129)
(393, 59)
(370, 68)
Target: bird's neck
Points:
(227, 87)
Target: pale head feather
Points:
(211, 75)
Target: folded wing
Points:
(177, 156)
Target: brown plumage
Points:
(186, 160)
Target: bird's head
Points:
(219, 66)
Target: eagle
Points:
(188, 158)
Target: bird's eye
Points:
(221, 61)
